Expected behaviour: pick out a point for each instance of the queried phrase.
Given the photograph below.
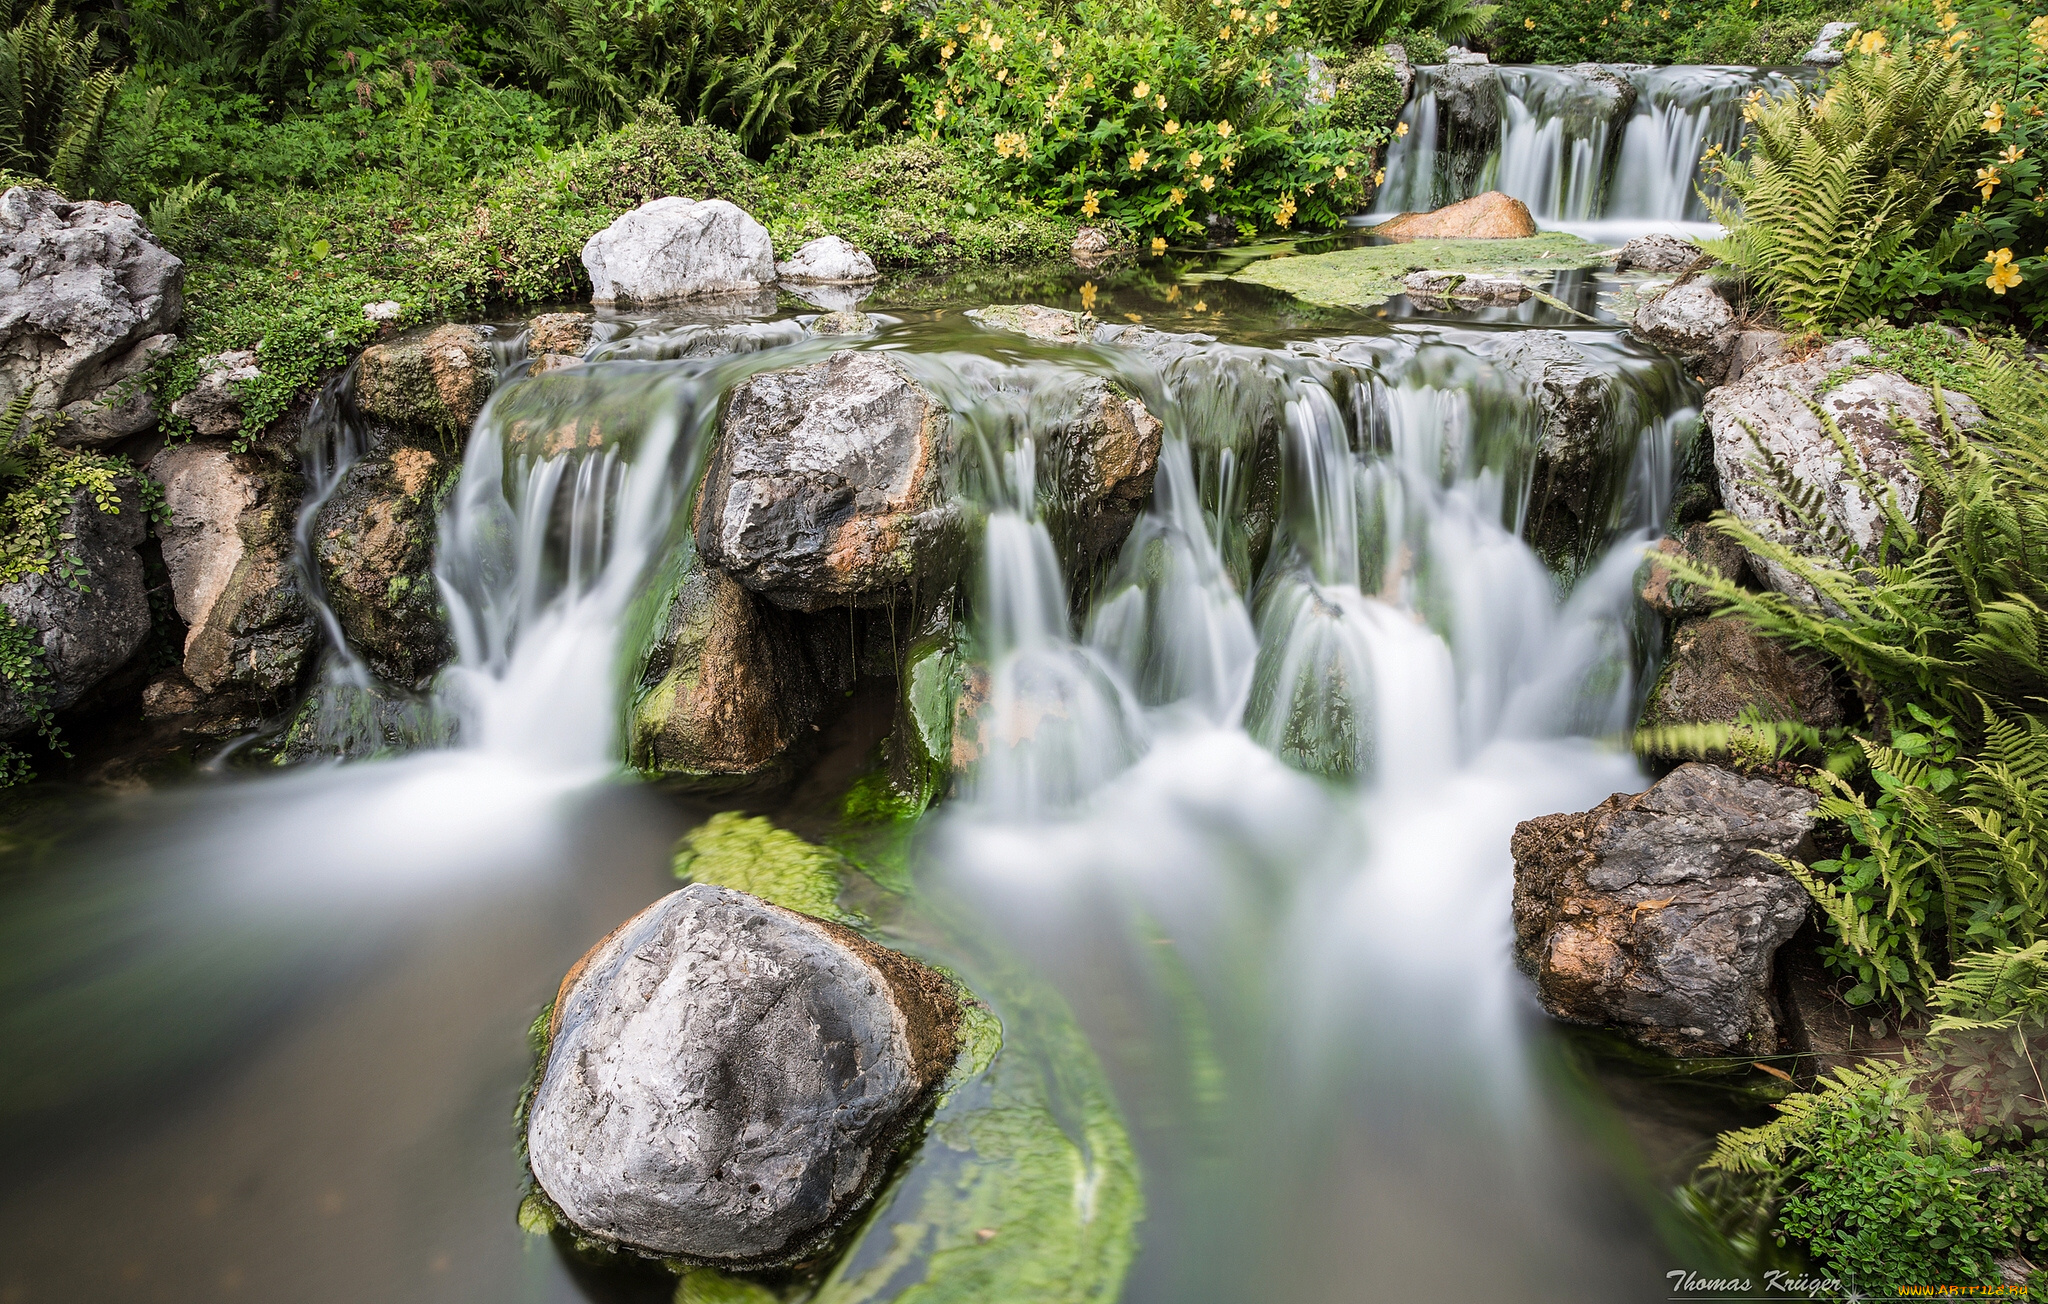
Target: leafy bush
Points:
(1167, 125)
(1767, 32)
(1369, 22)
(54, 94)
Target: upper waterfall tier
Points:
(1602, 149)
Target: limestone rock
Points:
(1054, 325)
(1463, 287)
(846, 322)
(1825, 52)
(560, 332)
(727, 689)
(1693, 323)
(1491, 216)
(384, 311)
(228, 549)
(1702, 545)
(727, 1079)
(1101, 448)
(673, 248)
(1091, 245)
(1571, 467)
(434, 379)
(1653, 914)
(1752, 349)
(1658, 252)
(1468, 98)
(1721, 666)
(123, 407)
(213, 407)
(1771, 400)
(92, 629)
(83, 286)
(825, 488)
(830, 298)
(828, 260)
(375, 541)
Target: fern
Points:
(54, 99)
(1360, 23)
(1994, 990)
(1765, 1148)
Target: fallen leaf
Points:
(1776, 1073)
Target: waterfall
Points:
(1605, 151)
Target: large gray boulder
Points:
(669, 249)
(1572, 460)
(87, 301)
(826, 488)
(1653, 913)
(726, 1079)
(91, 623)
(1692, 322)
(1769, 406)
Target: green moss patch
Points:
(1370, 275)
(753, 856)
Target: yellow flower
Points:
(1223, 35)
(1627, 5)
(1088, 81)
(1158, 244)
(1284, 214)
(1208, 184)
(1090, 205)
(2013, 154)
(1272, 19)
(1141, 90)
(1087, 296)
(2003, 274)
(1948, 20)
(1201, 305)
(1059, 51)
(1955, 39)
(939, 110)
(946, 51)
(1265, 77)
(1172, 128)
(1223, 129)
(1194, 160)
(1238, 15)
(1987, 181)
(1379, 178)
(1159, 103)
(1341, 173)
(1994, 119)
(2037, 31)
(1002, 75)
(1138, 160)
(995, 44)
(1226, 162)
(1400, 129)
(965, 28)
(1529, 23)
(1176, 196)
(1286, 3)
(1664, 14)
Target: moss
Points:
(753, 856)
(1370, 275)
(710, 1286)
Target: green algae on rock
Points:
(755, 857)
(1369, 275)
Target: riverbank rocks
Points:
(1703, 546)
(212, 406)
(825, 487)
(1771, 400)
(1658, 252)
(1091, 246)
(1721, 666)
(374, 538)
(1653, 913)
(1464, 288)
(669, 249)
(828, 260)
(1491, 216)
(228, 549)
(1570, 473)
(726, 1079)
(726, 689)
(1826, 50)
(87, 301)
(434, 379)
(1036, 321)
(89, 629)
(1694, 323)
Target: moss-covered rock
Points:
(432, 380)
(375, 541)
(1370, 275)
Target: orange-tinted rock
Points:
(1491, 216)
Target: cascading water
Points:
(1603, 151)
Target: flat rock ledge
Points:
(727, 1080)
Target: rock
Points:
(1771, 400)
(1702, 545)
(1464, 287)
(228, 550)
(1091, 245)
(560, 332)
(670, 249)
(830, 298)
(824, 489)
(1491, 216)
(1824, 52)
(1752, 348)
(843, 323)
(1819, 1026)
(543, 363)
(1652, 913)
(1658, 252)
(170, 695)
(1692, 322)
(374, 538)
(384, 311)
(828, 260)
(1721, 666)
(728, 1080)
(1468, 98)
(213, 407)
(1571, 467)
(1404, 71)
(1054, 325)
(83, 287)
(434, 379)
(726, 689)
(122, 409)
(1101, 448)
(90, 627)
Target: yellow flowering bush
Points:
(1173, 126)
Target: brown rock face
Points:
(560, 332)
(1491, 216)
(1721, 666)
(432, 380)
(1653, 914)
(1702, 545)
(375, 541)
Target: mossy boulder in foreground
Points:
(727, 1079)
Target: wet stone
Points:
(727, 1079)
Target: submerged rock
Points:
(375, 541)
(825, 487)
(1036, 321)
(1654, 914)
(726, 1079)
(434, 379)
(1721, 667)
(1769, 406)
(1658, 252)
(828, 260)
(669, 249)
(1463, 287)
(1491, 216)
(90, 627)
(560, 332)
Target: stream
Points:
(1233, 868)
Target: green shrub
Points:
(55, 90)
(1356, 23)
(1158, 123)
